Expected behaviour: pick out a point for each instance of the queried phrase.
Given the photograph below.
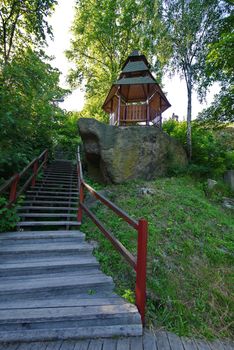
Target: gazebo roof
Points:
(136, 84)
(136, 66)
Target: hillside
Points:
(189, 254)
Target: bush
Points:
(8, 217)
(213, 151)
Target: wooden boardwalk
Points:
(159, 341)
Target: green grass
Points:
(190, 257)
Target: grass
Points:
(190, 259)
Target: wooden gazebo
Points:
(136, 97)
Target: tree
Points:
(22, 22)
(104, 33)
(28, 118)
(219, 67)
(190, 27)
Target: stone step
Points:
(65, 286)
(40, 266)
(38, 223)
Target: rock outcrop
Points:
(116, 154)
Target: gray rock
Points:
(228, 203)
(91, 202)
(229, 178)
(116, 154)
(145, 191)
(211, 184)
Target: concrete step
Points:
(49, 188)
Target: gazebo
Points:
(136, 97)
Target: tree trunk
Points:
(189, 117)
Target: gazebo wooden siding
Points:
(136, 98)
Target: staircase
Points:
(51, 286)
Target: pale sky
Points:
(61, 22)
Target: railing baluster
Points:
(35, 170)
(141, 267)
(13, 190)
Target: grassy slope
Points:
(189, 254)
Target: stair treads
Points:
(55, 284)
(48, 223)
(40, 234)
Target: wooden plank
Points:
(12, 346)
(109, 344)
(149, 342)
(123, 344)
(216, 345)
(162, 341)
(202, 345)
(68, 345)
(95, 344)
(53, 345)
(136, 343)
(81, 345)
(175, 341)
(38, 346)
(189, 344)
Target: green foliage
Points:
(100, 46)
(22, 23)
(67, 138)
(28, 117)
(213, 152)
(8, 217)
(190, 260)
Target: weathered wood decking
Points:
(51, 286)
(149, 341)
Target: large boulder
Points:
(116, 154)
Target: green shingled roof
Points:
(135, 81)
(136, 66)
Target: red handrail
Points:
(13, 183)
(139, 263)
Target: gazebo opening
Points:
(136, 97)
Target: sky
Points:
(174, 88)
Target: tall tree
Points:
(23, 22)
(191, 25)
(104, 33)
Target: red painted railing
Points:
(138, 263)
(14, 185)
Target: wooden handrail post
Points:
(45, 159)
(35, 169)
(141, 267)
(79, 212)
(13, 190)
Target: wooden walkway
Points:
(51, 286)
(159, 341)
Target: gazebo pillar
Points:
(147, 113)
(119, 105)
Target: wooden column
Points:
(147, 111)
(119, 105)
